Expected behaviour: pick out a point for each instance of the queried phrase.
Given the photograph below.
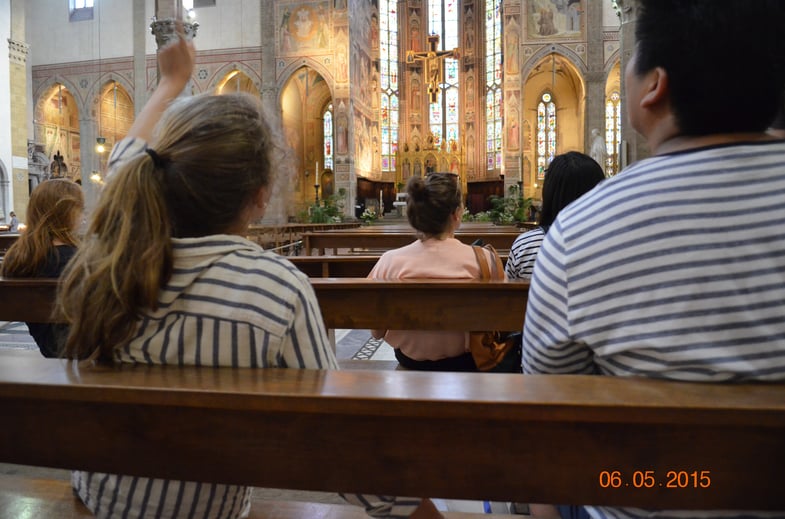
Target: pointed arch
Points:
(222, 72)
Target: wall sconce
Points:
(100, 145)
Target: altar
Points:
(416, 160)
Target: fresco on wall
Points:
(303, 27)
(555, 19)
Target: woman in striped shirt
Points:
(166, 277)
(568, 177)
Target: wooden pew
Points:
(6, 240)
(560, 439)
(341, 266)
(318, 242)
(349, 303)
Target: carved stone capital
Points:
(164, 30)
(18, 51)
(629, 9)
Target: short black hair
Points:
(569, 176)
(709, 48)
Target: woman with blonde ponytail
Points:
(45, 247)
(165, 274)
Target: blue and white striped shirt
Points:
(673, 269)
(228, 303)
(523, 253)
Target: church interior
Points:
(369, 92)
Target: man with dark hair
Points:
(675, 268)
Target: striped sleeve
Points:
(548, 346)
(524, 250)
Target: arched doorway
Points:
(553, 108)
(303, 100)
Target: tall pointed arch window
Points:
(493, 84)
(444, 114)
(612, 133)
(327, 119)
(546, 133)
(388, 57)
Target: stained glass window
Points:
(493, 84)
(612, 133)
(388, 57)
(444, 114)
(327, 117)
(546, 133)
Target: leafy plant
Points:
(505, 210)
(326, 210)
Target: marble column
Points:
(633, 146)
(91, 160)
(276, 213)
(18, 51)
(163, 26)
(595, 75)
(140, 55)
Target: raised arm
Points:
(176, 63)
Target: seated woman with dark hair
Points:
(434, 208)
(569, 176)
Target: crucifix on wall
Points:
(434, 64)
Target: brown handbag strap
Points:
(485, 272)
(498, 267)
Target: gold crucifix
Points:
(434, 64)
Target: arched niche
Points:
(303, 99)
(237, 81)
(557, 75)
(56, 129)
(114, 114)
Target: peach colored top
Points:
(434, 259)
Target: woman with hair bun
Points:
(434, 207)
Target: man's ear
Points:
(657, 88)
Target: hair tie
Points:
(158, 162)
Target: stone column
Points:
(276, 213)
(595, 75)
(140, 55)
(633, 146)
(18, 50)
(163, 26)
(91, 161)
(512, 98)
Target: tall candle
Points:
(316, 172)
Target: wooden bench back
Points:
(319, 242)
(341, 266)
(559, 439)
(361, 303)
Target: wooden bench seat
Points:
(453, 435)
